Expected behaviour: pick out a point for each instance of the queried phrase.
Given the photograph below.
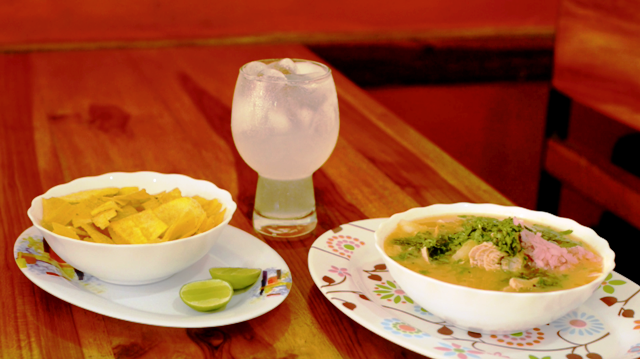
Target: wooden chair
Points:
(597, 71)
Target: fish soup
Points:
(494, 254)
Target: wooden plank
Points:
(596, 179)
(597, 58)
(520, 37)
(73, 21)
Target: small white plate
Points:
(348, 270)
(159, 303)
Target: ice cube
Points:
(308, 67)
(286, 66)
(307, 71)
(304, 77)
(304, 117)
(278, 122)
(272, 73)
(253, 68)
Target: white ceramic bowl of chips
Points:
(487, 311)
(134, 264)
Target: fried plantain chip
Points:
(124, 212)
(102, 219)
(169, 196)
(84, 195)
(127, 190)
(66, 231)
(152, 203)
(95, 235)
(130, 215)
(183, 216)
(56, 210)
(106, 206)
(134, 198)
(139, 228)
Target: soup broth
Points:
(493, 254)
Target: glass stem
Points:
(284, 208)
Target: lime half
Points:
(206, 295)
(239, 278)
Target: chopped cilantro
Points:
(547, 279)
(502, 233)
(407, 254)
(436, 246)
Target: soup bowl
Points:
(134, 264)
(489, 311)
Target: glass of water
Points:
(285, 124)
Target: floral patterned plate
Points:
(346, 267)
(159, 303)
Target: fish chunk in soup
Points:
(493, 254)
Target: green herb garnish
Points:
(437, 246)
(547, 279)
(502, 233)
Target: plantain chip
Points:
(130, 215)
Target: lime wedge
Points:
(206, 295)
(238, 277)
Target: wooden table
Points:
(72, 114)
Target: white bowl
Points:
(138, 263)
(488, 311)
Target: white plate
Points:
(347, 269)
(159, 303)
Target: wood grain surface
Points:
(72, 114)
(37, 24)
(597, 57)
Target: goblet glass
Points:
(285, 124)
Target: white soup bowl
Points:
(489, 311)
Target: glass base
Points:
(278, 227)
(284, 208)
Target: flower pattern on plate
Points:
(342, 272)
(527, 338)
(344, 245)
(399, 327)
(580, 323)
(607, 285)
(635, 349)
(423, 312)
(457, 350)
(390, 291)
(351, 281)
